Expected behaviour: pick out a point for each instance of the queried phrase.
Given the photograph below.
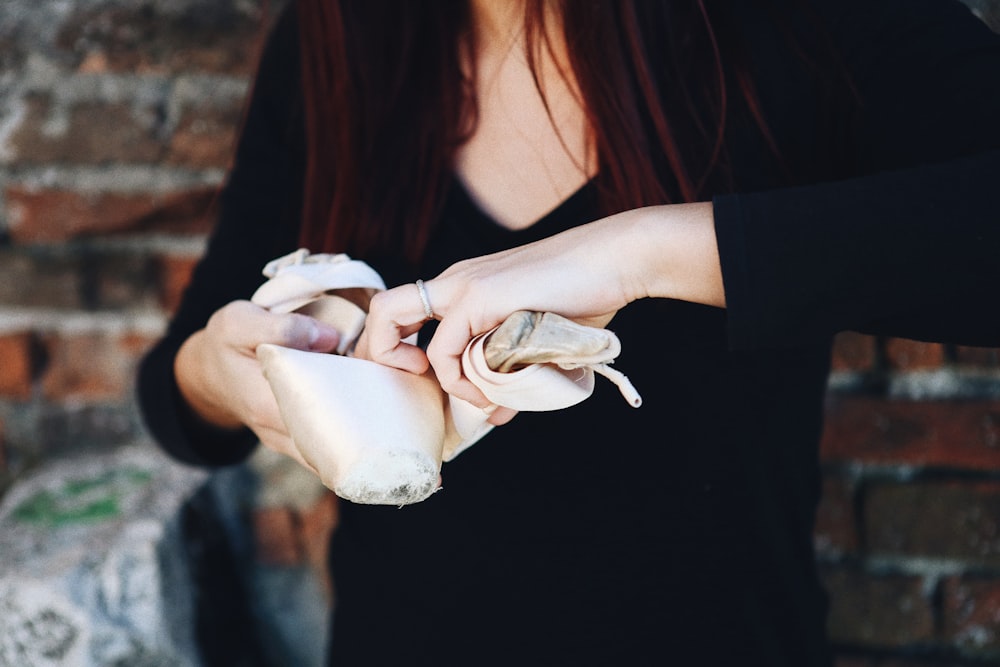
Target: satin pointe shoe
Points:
(379, 435)
(537, 362)
(374, 434)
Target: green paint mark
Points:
(82, 500)
(48, 509)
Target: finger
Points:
(402, 356)
(501, 416)
(392, 316)
(302, 332)
(244, 324)
(362, 348)
(445, 355)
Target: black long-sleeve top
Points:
(679, 533)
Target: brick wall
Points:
(117, 120)
(908, 531)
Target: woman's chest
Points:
(531, 147)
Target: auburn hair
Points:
(386, 106)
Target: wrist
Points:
(674, 253)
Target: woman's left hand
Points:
(585, 274)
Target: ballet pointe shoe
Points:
(333, 288)
(536, 362)
(374, 434)
(542, 361)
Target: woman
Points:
(725, 185)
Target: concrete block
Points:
(94, 566)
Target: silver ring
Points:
(422, 291)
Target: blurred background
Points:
(117, 124)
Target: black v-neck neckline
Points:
(562, 216)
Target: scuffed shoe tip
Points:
(390, 477)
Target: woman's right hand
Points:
(219, 376)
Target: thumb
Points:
(302, 332)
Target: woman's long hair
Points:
(387, 105)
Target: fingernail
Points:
(323, 338)
(314, 334)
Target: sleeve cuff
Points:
(729, 232)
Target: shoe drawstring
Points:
(625, 386)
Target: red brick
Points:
(90, 366)
(118, 281)
(835, 532)
(877, 611)
(76, 426)
(16, 368)
(946, 520)
(276, 536)
(910, 354)
(55, 279)
(952, 434)
(3, 457)
(174, 276)
(977, 356)
(92, 133)
(205, 139)
(211, 37)
(95, 62)
(136, 344)
(62, 277)
(972, 613)
(45, 216)
(318, 522)
(853, 352)
(316, 525)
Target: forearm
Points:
(671, 252)
(175, 427)
(586, 273)
(195, 386)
